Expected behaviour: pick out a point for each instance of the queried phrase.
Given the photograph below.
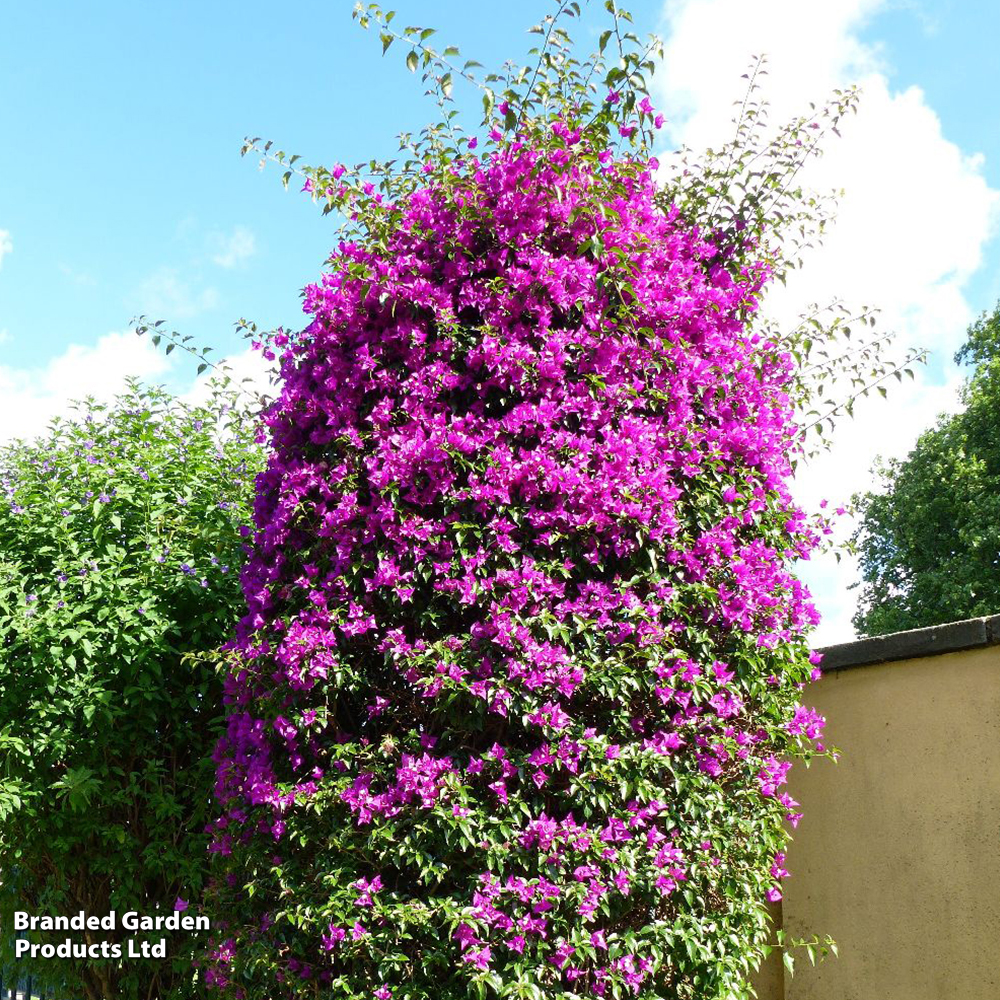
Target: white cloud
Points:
(887, 428)
(912, 225)
(235, 248)
(6, 244)
(248, 369)
(166, 295)
(30, 398)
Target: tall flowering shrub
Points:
(513, 703)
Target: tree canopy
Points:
(930, 540)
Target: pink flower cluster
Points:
(523, 542)
(584, 867)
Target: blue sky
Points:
(122, 180)
(948, 49)
(122, 189)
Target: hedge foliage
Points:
(120, 552)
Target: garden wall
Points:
(898, 856)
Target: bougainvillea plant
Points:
(513, 705)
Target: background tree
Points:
(120, 553)
(929, 542)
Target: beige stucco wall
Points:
(898, 857)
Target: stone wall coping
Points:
(949, 638)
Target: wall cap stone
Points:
(949, 638)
